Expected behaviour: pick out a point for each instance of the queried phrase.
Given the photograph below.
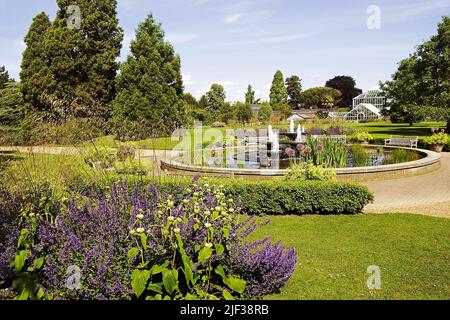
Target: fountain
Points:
(299, 134)
(292, 126)
(275, 143)
(270, 133)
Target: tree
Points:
(215, 101)
(250, 95)
(294, 91)
(150, 100)
(265, 112)
(203, 102)
(11, 105)
(244, 112)
(347, 86)
(79, 80)
(190, 100)
(4, 77)
(423, 79)
(321, 97)
(35, 74)
(278, 92)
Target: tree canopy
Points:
(250, 95)
(4, 77)
(11, 105)
(423, 79)
(278, 92)
(347, 86)
(321, 97)
(215, 101)
(150, 100)
(294, 91)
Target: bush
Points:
(363, 137)
(280, 197)
(440, 138)
(265, 112)
(307, 171)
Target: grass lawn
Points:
(379, 130)
(334, 252)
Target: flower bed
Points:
(143, 244)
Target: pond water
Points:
(357, 156)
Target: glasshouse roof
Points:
(371, 94)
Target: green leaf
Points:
(187, 269)
(132, 253)
(170, 280)
(204, 254)
(38, 263)
(19, 260)
(23, 235)
(156, 287)
(219, 248)
(144, 241)
(139, 279)
(227, 295)
(40, 294)
(236, 284)
(157, 269)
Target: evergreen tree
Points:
(82, 59)
(244, 112)
(35, 72)
(294, 90)
(250, 95)
(278, 92)
(150, 100)
(215, 98)
(11, 105)
(4, 77)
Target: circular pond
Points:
(354, 163)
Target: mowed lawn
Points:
(379, 130)
(334, 252)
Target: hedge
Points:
(279, 197)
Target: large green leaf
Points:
(132, 253)
(204, 254)
(19, 260)
(170, 280)
(139, 279)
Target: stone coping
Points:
(431, 159)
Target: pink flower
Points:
(308, 150)
(320, 147)
(300, 147)
(290, 152)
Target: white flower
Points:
(176, 230)
(231, 210)
(140, 216)
(140, 230)
(132, 232)
(208, 225)
(208, 245)
(171, 218)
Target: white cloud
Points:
(175, 38)
(187, 79)
(233, 18)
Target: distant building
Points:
(373, 97)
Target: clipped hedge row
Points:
(279, 197)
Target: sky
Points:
(241, 42)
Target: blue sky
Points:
(237, 42)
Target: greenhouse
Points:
(364, 112)
(373, 97)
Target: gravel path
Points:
(425, 194)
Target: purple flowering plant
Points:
(139, 244)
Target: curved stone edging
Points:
(428, 164)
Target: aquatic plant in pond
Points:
(401, 155)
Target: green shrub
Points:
(280, 197)
(265, 112)
(363, 136)
(307, 171)
(440, 138)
